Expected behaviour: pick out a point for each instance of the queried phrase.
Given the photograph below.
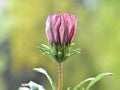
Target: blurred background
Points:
(22, 28)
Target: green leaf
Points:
(97, 78)
(77, 87)
(32, 85)
(68, 88)
(41, 70)
(83, 88)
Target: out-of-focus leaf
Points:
(68, 88)
(77, 87)
(23, 88)
(41, 70)
(97, 78)
(32, 85)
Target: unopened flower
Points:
(60, 32)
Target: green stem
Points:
(60, 77)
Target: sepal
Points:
(59, 53)
(74, 51)
(44, 48)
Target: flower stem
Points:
(60, 77)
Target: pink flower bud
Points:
(60, 30)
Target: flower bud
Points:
(60, 31)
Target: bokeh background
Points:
(22, 28)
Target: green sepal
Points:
(72, 44)
(58, 52)
(45, 49)
(73, 52)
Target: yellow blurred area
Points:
(22, 23)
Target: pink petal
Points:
(57, 27)
(55, 18)
(48, 33)
(62, 30)
(74, 27)
(68, 22)
(74, 21)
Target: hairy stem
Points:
(60, 77)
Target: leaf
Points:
(23, 88)
(68, 88)
(35, 86)
(41, 70)
(32, 85)
(79, 88)
(81, 83)
(97, 78)
(83, 88)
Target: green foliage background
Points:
(98, 36)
